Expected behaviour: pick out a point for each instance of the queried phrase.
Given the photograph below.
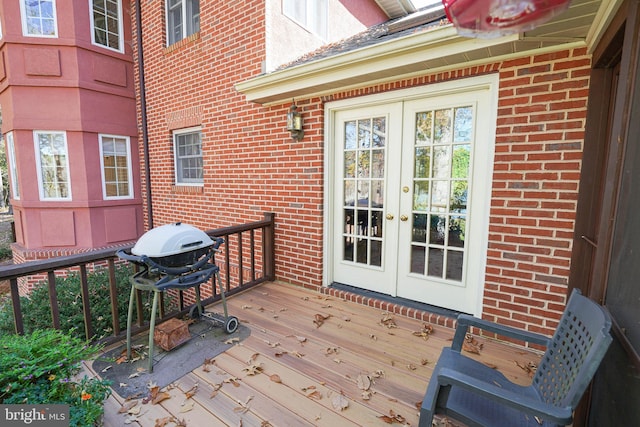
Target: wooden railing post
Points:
(269, 244)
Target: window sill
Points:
(187, 189)
(181, 43)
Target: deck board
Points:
(315, 364)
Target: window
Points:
(39, 18)
(106, 23)
(115, 161)
(311, 14)
(52, 162)
(183, 19)
(13, 166)
(188, 152)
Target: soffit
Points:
(432, 49)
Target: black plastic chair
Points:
(469, 391)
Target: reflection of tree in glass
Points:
(442, 126)
(423, 127)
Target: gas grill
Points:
(175, 256)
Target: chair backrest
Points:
(575, 352)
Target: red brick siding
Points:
(252, 165)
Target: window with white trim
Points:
(39, 18)
(52, 162)
(310, 14)
(183, 19)
(188, 156)
(106, 23)
(115, 162)
(13, 167)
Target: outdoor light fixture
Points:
(294, 122)
(495, 18)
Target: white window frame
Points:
(187, 22)
(101, 142)
(120, 29)
(38, 155)
(25, 26)
(13, 167)
(177, 158)
(312, 15)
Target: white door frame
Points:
(489, 82)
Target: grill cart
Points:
(175, 256)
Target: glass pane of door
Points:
(364, 155)
(442, 148)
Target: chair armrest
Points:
(465, 321)
(555, 414)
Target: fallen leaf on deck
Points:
(253, 369)
(363, 381)
(393, 418)
(424, 362)
(300, 339)
(191, 392)
(187, 407)
(134, 375)
(232, 341)
(530, 368)
(387, 320)
(253, 358)
(366, 395)
(411, 367)
(233, 381)
(319, 319)
(471, 345)
(244, 406)
(123, 385)
(128, 405)
(162, 422)
(275, 378)
(339, 402)
(216, 387)
(246, 307)
(424, 332)
(315, 395)
(163, 395)
(331, 350)
(107, 368)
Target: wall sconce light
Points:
(294, 122)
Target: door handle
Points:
(389, 216)
(403, 217)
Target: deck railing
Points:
(248, 259)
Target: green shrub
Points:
(36, 308)
(5, 253)
(40, 368)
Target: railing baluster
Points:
(253, 254)
(240, 265)
(17, 311)
(86, 304)
(53, 299)
(113, 296)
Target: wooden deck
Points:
(356, 366)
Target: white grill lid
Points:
(171, 239)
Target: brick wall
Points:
(253, 166)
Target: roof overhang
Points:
(435, 50)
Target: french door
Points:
(411, 183)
